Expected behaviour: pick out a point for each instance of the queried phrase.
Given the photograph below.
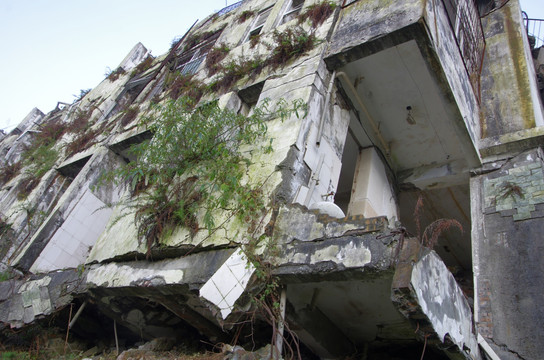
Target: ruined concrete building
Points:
(398, 209)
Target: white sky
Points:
(51, 49)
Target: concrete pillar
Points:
(371, 194)
(507, 208)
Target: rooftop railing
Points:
(535, 30)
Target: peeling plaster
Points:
(443, 302)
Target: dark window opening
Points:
(71, 170)
(123, 148)
(250, 96)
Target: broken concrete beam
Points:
(425, 291)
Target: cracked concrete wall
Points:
(86, 179)
(508, 221)
(24, 301)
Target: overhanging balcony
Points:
(410, 73)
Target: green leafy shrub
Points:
(40, 156)
(194, 167)
(40, 160)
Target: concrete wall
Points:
(507, 225)
(510, 97)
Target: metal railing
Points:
(229, 8)
(467, 27)
(535, 30)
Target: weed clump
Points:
(85, 135)
(195, 39)
(237, 69)
(81, 95)
(40, 159)
(429, 236)
(81, 142)
(317, 13)
(9, 171)
(40, 156)
(244, 16)
(143, 66)
(114, 75)
(214, 57)
(186, 85)
(4, 226)
(25, 186)
(290, 44)
(129, 115)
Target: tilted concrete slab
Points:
(426, 292)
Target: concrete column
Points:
(507, 208)
(371, 195)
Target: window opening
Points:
(292, 11)
(250, 96)
(189, 61)
(258, 24)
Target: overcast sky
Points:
(51, 49)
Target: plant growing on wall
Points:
(40, 156)
(81, 126)
(214, 57)
(244, 16)
(129, 115)
(290, 43)
(195, 167)
(113, 75)
(429, 236)
(143, 66)
(186, 85)
(317, 13)
(9, 171)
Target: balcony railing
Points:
(465, 23)
(535, 30)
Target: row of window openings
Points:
(190, 60)
(290, 13)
